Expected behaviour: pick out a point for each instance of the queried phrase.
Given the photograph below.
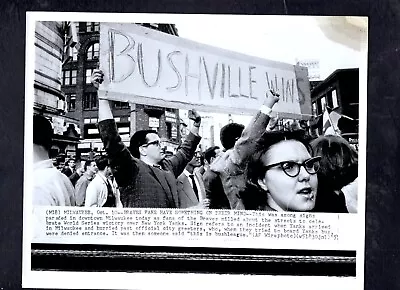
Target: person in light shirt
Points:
(191, 189)
(83, 182)
(50, 186)
(100, 192)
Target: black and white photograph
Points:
(201, 148)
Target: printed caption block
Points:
(180, 224)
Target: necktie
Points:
(110, 202)
(194, 185)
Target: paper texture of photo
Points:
(93, 80)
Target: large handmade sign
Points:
(145, 66)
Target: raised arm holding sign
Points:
(145, 177)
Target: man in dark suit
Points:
(69, 168)
(191, 186)
(145, 177)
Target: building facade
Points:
(338, 92)
(49, 100)
(82, 99)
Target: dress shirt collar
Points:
(187, 173)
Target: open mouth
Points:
(306, 192)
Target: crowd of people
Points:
(85, 183)
(258, 168)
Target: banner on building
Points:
(146, 66)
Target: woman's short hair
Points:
(339, 162)
(255, 167)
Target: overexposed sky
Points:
(285, 39)
(279, 38)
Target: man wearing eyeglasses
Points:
(145, 177)
(191, 189)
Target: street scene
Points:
(133, 115)
(213, 139)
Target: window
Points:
(323, 104)
(69, 77)
(73, 53)
(314, 109)
(92, 26)
(93, 51)
(121, 105)
(77, 26)
(89, 73)
(169, 130)
(71, 102)
(335, 103)
(90, 101)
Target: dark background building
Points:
(338, 92)
(82, 100)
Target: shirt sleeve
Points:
(91, 195)
(177, 163)
(246, 144)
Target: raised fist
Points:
(271, 98)
(97, 78)
(194, 115)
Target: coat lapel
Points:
(162, 177)
(202, 189)
(170, 177)
(188, 189)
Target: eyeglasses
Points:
(156, 142)
(292, 168)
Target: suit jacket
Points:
(74, 177)
(140, 184)
(81, 187)
(97, 191)
(230, 167)
(67, 171)
(187, 195)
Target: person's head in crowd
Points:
(339, 161)
(284, 171)
(195, 162)
(91, 167)
(146, 145)
(103, 165)
(211, 153)
(229, 134)
(80, 167)
(347, 125)
(70, 163)
(42, 138)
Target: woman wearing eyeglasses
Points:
(282, 173)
